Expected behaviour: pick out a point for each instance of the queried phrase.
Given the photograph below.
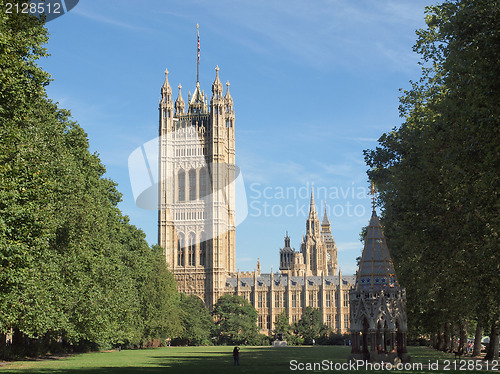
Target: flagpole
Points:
(198, 54)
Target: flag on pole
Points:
(198, 33)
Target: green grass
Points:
(259, 360)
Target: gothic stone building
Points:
(196, 220)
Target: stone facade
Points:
(196, 220)
(196, 216)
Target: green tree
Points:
(160, 300)
(282, 326)
(435, 173)
(71, 265)
(197, 322)
(235, 320)
(310, 326)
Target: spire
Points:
(179, 103)
(166, 89)
(325, 220)
(312, 206)
(217, 85)
(228, 94)
(376, 269)
(165, 84)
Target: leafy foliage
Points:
(72, 267)
(437, 173)
(310, 326)
(197, 322)
(235, 320)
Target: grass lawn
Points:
(259, 360)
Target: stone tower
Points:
(313, 247)
(197, 170)
(377, 303)
(331, 247)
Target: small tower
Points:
(331, 247)
(179, 103)
(313, 248)
(378, 303)
(286, 257)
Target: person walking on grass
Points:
(236, 356)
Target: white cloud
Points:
(107, 20)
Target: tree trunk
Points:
(463, 337)
(447, 338)
(17, 342)
(3, 346)
(454, 338)
(441, 344)
(492, 353)
(477, 340)
(434, 340)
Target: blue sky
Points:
(313, 82)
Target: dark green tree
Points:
(235, 320)
(197, 322)
(160, 300)
(71, 265)
(282, 326)
(435, 174)
(310, 326)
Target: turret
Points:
(166, 107)
(287, 241)
(312, 224)
(216, 87)
(325, 223)
(228, 100)
(179, 103)
(166, 90)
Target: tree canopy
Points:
(72, 267)
(437, 174)
(235, 320)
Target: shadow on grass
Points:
(190, 360)
(259, 360)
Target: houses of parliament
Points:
(196, 219)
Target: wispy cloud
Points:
(107, 20)
(319, 35)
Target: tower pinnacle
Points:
(312, 206)
(217, 85)
(325, 220)
(179, 103)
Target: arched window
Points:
(192, 184)
(191, 250)
(203, 181)
(203, 252)
(180, 251)
(182, 185)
